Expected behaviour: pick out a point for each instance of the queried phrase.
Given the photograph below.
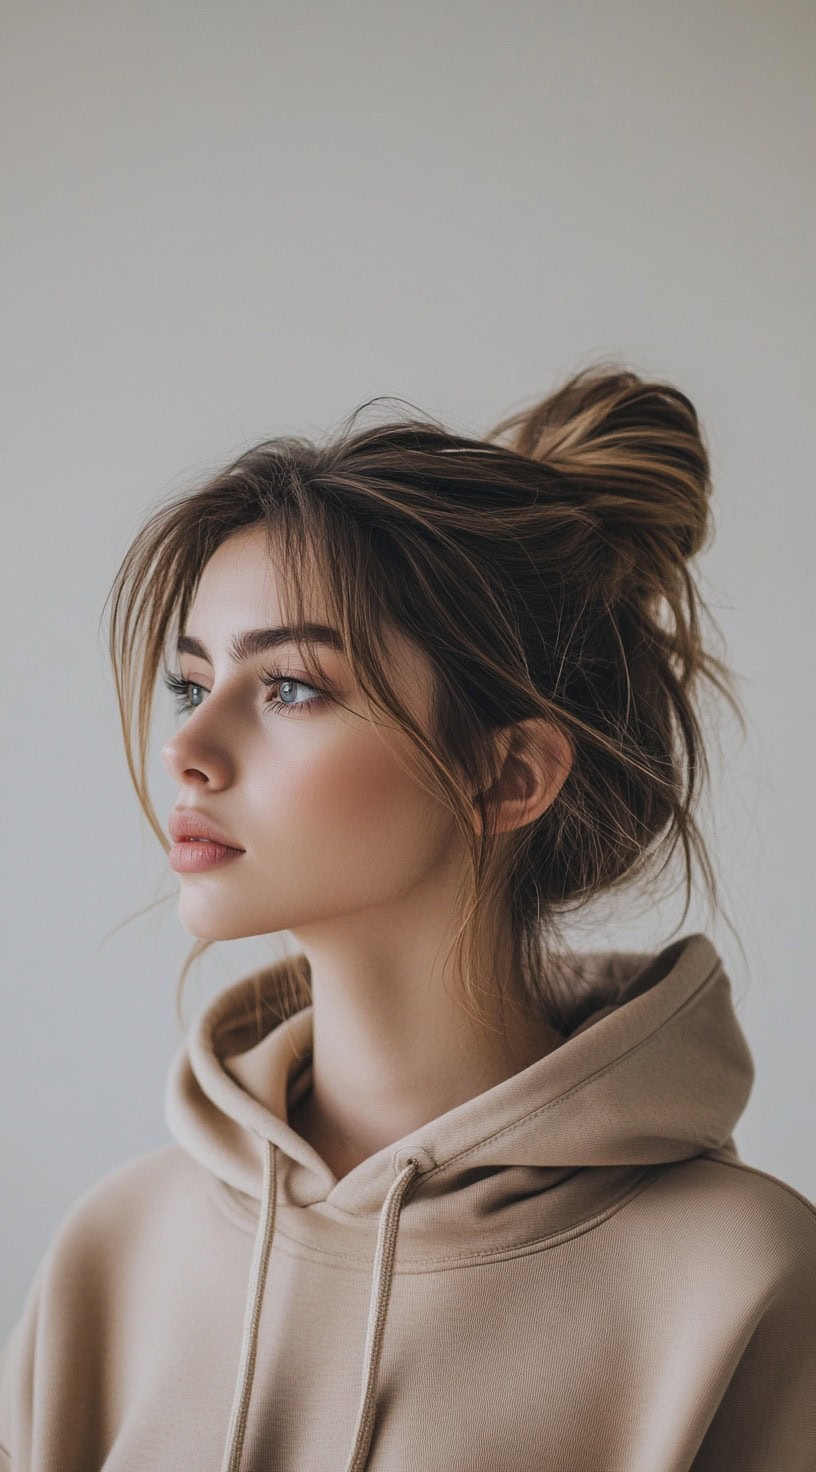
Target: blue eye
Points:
(181, 689)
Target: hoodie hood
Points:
(654, 1069)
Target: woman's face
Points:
(330, 821)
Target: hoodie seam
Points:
(766, 1176)
(559, 1100)
(584, 1083)
(235, 1211)
(475, 1257)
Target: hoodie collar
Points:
(657, 1069)
(654, 1069)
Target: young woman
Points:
(442, 1192)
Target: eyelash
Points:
(181, 688)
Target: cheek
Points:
(351, 805)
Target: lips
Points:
(187, 824)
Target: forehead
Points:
(238, 599)
(244, 568)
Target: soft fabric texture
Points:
(573, 1271)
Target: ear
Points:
(536, 759)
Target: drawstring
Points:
(380, 1294)
(378, 1305)
(257, 1279)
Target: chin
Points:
(204, 922)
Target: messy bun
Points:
(545, 571)
(633, 455)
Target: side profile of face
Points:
(331, 822)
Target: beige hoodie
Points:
(572, 1272)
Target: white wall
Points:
(225, 222)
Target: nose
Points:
(203, 747)
(182, 763)
(169, 757)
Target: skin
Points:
(349, 853)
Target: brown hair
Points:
(544, 572)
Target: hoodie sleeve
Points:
(767, 1416)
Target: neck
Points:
(381, 1072)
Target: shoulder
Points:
(765, 1416)
(121, 1235)
(755, 1221)
(771, 1198)
(159, 1169)
(131, 1212)
(113, 1213)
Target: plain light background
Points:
(224, 222)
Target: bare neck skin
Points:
(389, 1054)
(343, 846)
(345, 1126)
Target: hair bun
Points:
(632, 450)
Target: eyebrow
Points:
(255, 641)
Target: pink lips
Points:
(192, 855)
(199, 842)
